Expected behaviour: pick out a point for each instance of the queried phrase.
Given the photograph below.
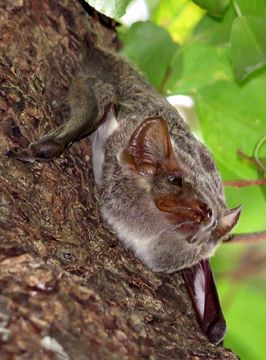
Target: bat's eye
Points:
(175, 180)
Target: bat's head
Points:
(182, 181)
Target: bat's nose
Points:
(206, 211)
(205, 208)
(199, 210)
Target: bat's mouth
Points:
(202, 290)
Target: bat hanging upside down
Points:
(159, 187)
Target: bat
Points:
(160, 190)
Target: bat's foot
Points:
(44, 149)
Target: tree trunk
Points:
(69, 290)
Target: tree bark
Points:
(68, 289)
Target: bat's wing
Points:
(201, 287)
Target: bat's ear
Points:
(149, 147)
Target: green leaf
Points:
(112, 8)
(201, 65)
(215, 8)
(151, 48)
(248, 45)
(215, 31)
(233, 117)
(255, 8)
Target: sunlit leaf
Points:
(167, 10)
(248, 45)
(111, 8)
(215, 8)
(178, 17)
(151, 48)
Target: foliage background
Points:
(215, 52)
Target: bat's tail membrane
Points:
(201, 287)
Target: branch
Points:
(244, 183)
(247, 238)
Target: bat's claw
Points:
(23, 155)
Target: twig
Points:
(255, 161)
(247, 238)
(166, 77)
(244, 183)
(256, 153)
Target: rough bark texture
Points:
(68, 289)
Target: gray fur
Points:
(125, 201)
